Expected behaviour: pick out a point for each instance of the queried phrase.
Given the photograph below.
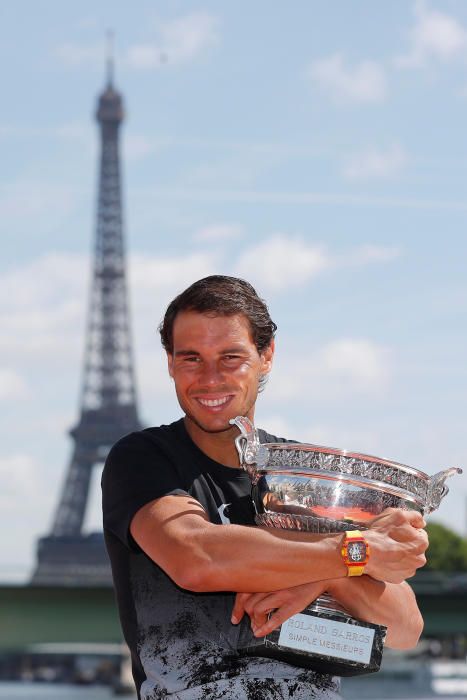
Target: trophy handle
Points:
(251, 452)
(437, 488)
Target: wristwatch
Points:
(355, 552)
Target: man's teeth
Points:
(213, 402)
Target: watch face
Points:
(356, 551)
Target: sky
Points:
(316, 149)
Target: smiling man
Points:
(217, 370)
(188, 562)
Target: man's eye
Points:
(231, 357)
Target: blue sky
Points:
(317, 149)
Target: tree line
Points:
(447, 550)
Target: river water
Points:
(56, 691)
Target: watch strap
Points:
(354, 568)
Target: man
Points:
(178, 517)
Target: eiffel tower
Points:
(108, 399)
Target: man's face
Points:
(216, 368)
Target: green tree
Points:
(447, 550)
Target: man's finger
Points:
(415, 518)
(397, 516)
(275, 619)
(238, 609)
(268, 603)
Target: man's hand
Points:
(391, 604)
(282, 604)
(397, 545)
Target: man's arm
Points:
(389, 604)
(201, 556)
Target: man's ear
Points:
(170, 364)
(267, 357)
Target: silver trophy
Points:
(299, 486)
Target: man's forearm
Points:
(254, 559)
(202, 556)
(389, 604)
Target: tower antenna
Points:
(110, 58)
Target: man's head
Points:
(221, 296)
(219, 340)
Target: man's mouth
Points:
(212, 403)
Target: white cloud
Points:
(364, 82)
(156, 277)
(44, 281)
(218, 232)
(281, 262)
(12, 385)
(340, 369)
(179, 41)
(20, 479)
(434, 36)
(43, 297)
(42, 306)
(354, 363)
(373, 163)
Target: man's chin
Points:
(219, 426)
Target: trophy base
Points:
(324, 640)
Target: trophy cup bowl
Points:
(298, 486)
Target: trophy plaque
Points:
(325, 490)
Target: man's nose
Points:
(211, 373)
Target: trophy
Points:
(318, 489)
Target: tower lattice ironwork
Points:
(108, 407)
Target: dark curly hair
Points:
(223, 296)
